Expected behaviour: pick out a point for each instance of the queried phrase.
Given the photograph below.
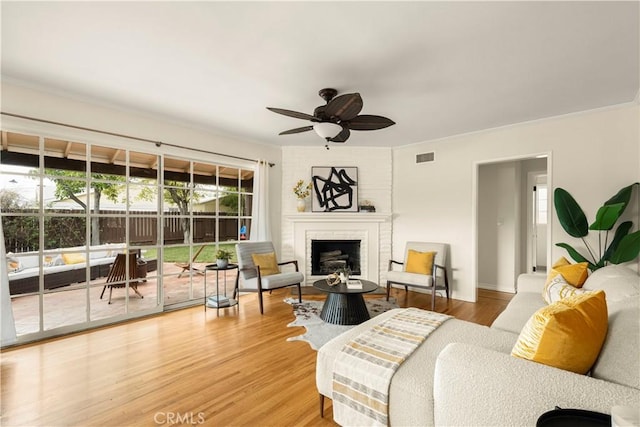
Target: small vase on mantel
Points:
(302, 205)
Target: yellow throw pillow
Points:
(567, 334)
(267, 263)
(558, 289)
(73, 258)
(420, 262)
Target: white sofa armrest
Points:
(531, 282)
(475, 386)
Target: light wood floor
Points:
(186, 367)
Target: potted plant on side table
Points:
(222, 258)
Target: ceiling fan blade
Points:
(344, 107)
(296, 130)
(290, 113)
(368, 122)
(342, 136)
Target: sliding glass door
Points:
(96, 234)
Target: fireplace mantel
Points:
(339, 217)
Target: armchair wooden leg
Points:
(299, 293)
(102, 294)
(321, 405)
(388, 289)
(260, 300)
(433, 298)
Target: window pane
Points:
(177, 229)
(143, 231)
(26, 313)
(143, 199)
(21, 233)
(64, 231)
(229, 229)
(74, 312)
(204, 229)
(205, 202)
(70, 195)
(65, 158)
(229, 203)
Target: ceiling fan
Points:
(335, 120)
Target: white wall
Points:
(54, 107)
(593, 155)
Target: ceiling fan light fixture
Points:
(327, 130)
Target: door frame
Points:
(474, 207)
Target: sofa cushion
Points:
(567, 334)
(617, 281)
(13, 265)
(73, 258)
(519, 310)
(618, 361)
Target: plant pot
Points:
(302, 205)
(222, 263)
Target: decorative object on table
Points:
(623, 247)
(367, 206)
(302, 191)
(318, 332)
(335, 189)
(222, 257)
(344, 273)
(335, 120)
(333, 279)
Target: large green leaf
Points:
(622, 230)
(570, 214)
(622, 196)
(628, 249)
(607, 216)
(575, 255)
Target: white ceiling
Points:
(436, 68)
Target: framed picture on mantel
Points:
(335, 189)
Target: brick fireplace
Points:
(372, 231)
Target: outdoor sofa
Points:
(65, 266)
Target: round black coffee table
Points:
(344, 306)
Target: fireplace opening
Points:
(329, 256)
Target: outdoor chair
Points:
(260, 271)
(421, 270)
(188, 266)
(118, 274)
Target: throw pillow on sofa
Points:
(73, 258)
(567, 334)
(559, 289)
(13, 265)
(420, 262)
(617, 281)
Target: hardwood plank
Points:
(236, 369)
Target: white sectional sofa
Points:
(464, 374)
(61, 267)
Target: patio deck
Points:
(68, 305)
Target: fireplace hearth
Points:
(329, 256)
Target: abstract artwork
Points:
(334, 189)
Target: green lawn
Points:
(181, 253)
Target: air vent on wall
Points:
(425, 157)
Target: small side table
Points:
(211, 301)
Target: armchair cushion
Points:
(274, 281)
(414, 279)
(267, 263)
(419, 262)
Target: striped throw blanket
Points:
(364, 368)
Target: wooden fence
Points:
(21, 232)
